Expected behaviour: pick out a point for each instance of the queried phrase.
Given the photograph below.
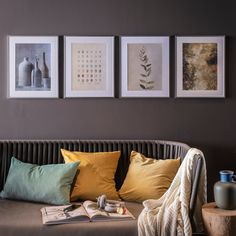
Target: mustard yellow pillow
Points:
(96, 174)
(147, 178)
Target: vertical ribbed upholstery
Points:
(47, 152)
(44, 152)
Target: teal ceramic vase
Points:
(225, 191)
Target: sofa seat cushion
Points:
(24, 219)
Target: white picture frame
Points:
(144, 66)
(24, 79)
(200, 66)
(89, 66)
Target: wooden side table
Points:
(218, 222)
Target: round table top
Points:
(211, 208)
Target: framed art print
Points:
(200, 69)
(33, 67)
(145, 66)
(89, 66)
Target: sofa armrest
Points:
(195, 183)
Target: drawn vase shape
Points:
(45, 73)
(25, 69)
(36, 75)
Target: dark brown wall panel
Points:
(208, 124)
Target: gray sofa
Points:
(24, 218)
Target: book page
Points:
(93, 209)
(58, 214)
(95, 213)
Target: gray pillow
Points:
(47, 183)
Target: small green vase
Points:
(225, 191)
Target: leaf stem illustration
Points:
(145, 82)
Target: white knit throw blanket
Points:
(169, 215)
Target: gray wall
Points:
(208, 124)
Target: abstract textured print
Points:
(199, 66)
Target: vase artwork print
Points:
(32, 67)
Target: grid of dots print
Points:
(89, 67)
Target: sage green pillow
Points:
(47, 183)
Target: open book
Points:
(86, 211)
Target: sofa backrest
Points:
(43, 152)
